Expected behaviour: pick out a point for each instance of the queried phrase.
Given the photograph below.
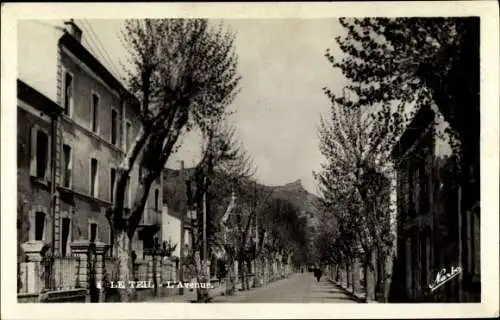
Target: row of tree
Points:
(183, 75)
(393, 67)
(254, 227)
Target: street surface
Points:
(295, 289)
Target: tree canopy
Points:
(415, 59)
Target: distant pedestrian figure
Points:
(317, 273)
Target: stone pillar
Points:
(149, 262)
(174, 276)
(31, 271)
(81, 249)
(100, 248)
(157, 262)
(142, 267)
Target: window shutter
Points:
(70, 96)
(63, 86)
(70, 169)
(33, 135)
(49, 157)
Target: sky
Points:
(283, 70)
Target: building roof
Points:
(37, 99)
(174, 190)
(40, 70)
(76, 48)
(422, 119)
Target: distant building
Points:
(98, 122)
(433, 231)
(175, 205)
(174, 193)
(171, 230)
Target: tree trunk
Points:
(257, 276)
(349, 275)
(266, 271)
(355, 276)
(231, 279)
(123, 247)
(344, 275)
(243, 272)
(370, 275)
(388, 265)
(201, 293)
(249, 271)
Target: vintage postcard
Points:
(232, 160)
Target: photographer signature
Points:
(443, 277)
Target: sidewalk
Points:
(190, 296)
(358, 296)
(187, 297)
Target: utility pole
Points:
(183, 214)
(256, 236)
(205, 225)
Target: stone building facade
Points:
(434, 233)
(37, 135)
(97, 123)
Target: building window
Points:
(68, 93)
(39, 225)
(94, 181)
(128, 127)
(39, 153)
(92, 232)
(94, 118)
(112, 184)
(157, 199)
(42, 154)
(66, 225)
(66, 166)
(114, 127)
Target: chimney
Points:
(73, 30)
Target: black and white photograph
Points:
(221, 160)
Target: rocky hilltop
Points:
(293, 192)
(296, 194)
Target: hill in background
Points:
(293, 192)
